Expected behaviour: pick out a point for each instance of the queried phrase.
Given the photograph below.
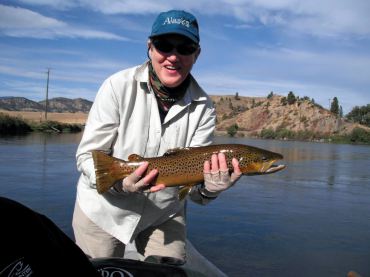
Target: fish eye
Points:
(264, 158)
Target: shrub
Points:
(232, 130)
(268, 134)
(10, 125)
(359, 135)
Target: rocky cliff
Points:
(254, 114)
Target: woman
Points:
(147, 110)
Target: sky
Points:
(315, 48)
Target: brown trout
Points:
(184, 166)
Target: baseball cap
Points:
(176, 22)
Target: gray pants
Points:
(167, 239)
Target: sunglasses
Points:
(183, 49)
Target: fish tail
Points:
(105, 171)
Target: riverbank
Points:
(69, 118)
(14, 123)
(75, 121)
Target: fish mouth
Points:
(266, 168)
(274, 168)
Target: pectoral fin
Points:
(184, 191)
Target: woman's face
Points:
(172, 67)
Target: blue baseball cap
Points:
(176, 22)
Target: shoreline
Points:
(70, 118)
(357, 136)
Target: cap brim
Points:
(177, 32)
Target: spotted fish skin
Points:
(183, 166)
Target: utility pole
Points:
(47, 96)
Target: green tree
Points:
(334, 108)
(360, 115)
(291, 98)
(271, 94)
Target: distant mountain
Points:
(19, 104)
(58, 105)
(66, 105)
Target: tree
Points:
(360, 115)
(237, 96)
(291, 98)
(334, 108)
(271, 94)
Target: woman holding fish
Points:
(147, 110)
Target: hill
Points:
(57, 105)
(19, 104)
(66, 105)
(253, 115)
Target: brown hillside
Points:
(253, 114)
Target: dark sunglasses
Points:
(183, 49)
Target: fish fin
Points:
(134, 157)
(105, 175)
(184, 191)
(175, 151)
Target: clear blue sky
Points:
(315, 48)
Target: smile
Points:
(171, 67)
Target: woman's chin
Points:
(172, 83)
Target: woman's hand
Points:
(136, 183)
(217, 177)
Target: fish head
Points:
(256, 161)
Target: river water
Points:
(312, 219)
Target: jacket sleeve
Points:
(100, 130)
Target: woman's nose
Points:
(173, 56)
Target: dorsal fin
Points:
(175, 151)
(134, 157)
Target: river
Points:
(312, 219)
